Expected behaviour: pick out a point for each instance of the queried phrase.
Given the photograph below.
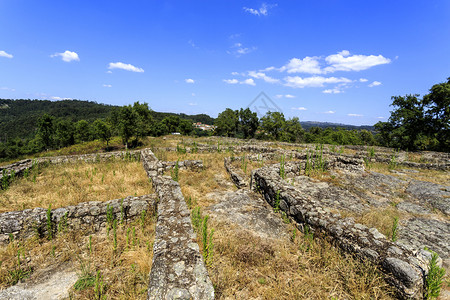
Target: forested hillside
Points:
(18, 118)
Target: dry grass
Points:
(246, 266)
(433, 176)
(125, 271)
(70, 184)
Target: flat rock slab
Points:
(438, 196)
(249, 211)
(54, 288)
(433, 234)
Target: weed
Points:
(49, 223)
(99, 287)
(89, 245)
(109, 218)
(394, 229)
(18, 273)
(176, 170)
(434, 278)
(282, 172)
(285, 218)
(86, 280)
(189, 202)
(142, 218)
(277, 202)
(393, 162)
(115, 235)
(294, 235)
(62, 225)
(207, 241)
(244, 164)
(196, 217)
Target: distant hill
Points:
(308, 124)
(18, 118)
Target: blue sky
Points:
(336, 60)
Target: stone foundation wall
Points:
(405, 268)
(90, 216)
(178, 270)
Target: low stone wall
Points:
(178, 270)
(405, 268)
(84, 216)
(95, 157)
(234, 174)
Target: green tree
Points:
(273, 123)
(82, 131)
(248, 123)
(293, 131)
(125, 121)
(227, 123)
(103, 131)
(419, 124)
(46, 130)
(64, 133)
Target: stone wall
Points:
(405, 268)
(90, 216)
(178, 270)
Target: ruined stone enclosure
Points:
(248, 220)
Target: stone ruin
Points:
(178, 270)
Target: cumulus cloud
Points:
(248, 81)
(375, 83)
(59, 98)
(231, 81)
(343, 61)
(309, 65)
(380, 117)
(354, 115)
(333, 91)
(126, 67)
(289, 96)
(314, 81)
(329, 112)
(262, 11)
(67, 56)
(107, 85)
(263, 76)
(189, 80)
(298, 108)
(4, 54)
(363, 80)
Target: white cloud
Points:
(4, 88)
(298, 108)
(109, 72)
(314, 81)
(289, 96)
(189, 80)
(248, 81)
(127, 67)
(380, 117)
(308, 65)
(354, 115)
(329, 112)
(193, 94)
(262, 11)
(261, 75)
(231, 81)
(235, 73)
(67, 56)
(343, 61)
(375, 83)
(278, 96)
(192, 104)
(4, 54)
(333, 91)
(363, 80)
(238, 50)
(107, 85)
(193, 44)
(59, 98)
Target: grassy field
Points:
(115, 264)
(244, 265)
